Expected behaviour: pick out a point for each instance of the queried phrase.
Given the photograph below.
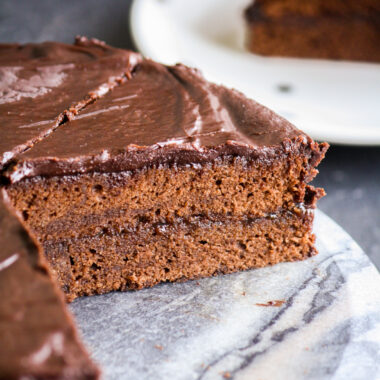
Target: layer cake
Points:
(167, 178)
(164, 177)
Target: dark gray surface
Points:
(351, 178)
(350, 175)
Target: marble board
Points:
(316, 319)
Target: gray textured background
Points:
(350, 175)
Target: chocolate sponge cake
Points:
(167, 178)
(164, 178)
(329, 29)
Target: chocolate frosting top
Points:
(162, 115)
(42, 84)
(37, 335)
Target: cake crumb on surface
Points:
(276, 303)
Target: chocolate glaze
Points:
(38, 339)
(57, 80)
(164, 116)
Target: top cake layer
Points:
(42, 84)
(162, 115)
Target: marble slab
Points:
(322, 321)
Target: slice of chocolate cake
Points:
(41, 85)
(167, 178)
(37, 336)
(335, 29)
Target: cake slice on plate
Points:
(338, 29)
(167, 178)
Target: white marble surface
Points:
(327, 328)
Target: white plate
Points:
(334, 101)
(327, 328)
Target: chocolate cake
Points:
(165, 178)
(38, 338)
(334, 29)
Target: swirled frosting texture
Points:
(162, 115)
(43, 84)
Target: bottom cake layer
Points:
(176, 252)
